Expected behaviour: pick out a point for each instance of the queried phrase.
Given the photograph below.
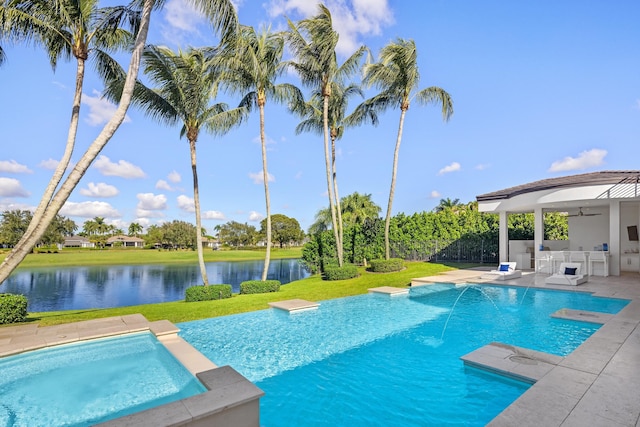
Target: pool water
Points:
(85, 383)
(380, 360)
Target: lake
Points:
(72, 288)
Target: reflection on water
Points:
(52, 289)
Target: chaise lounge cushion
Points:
(568, 274)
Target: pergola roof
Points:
(587, 179)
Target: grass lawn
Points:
(85, 257)
(312, 288)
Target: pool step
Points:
(516, 362)
(583, 315)
(389, 290)
(294, 305)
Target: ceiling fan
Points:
(580, 213)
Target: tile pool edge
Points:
(230, 397)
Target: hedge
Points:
(207, 293)
(347, 271)
(386, 265)
(259, 287)
(13, 308)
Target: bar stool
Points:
(599, 257)
(581, 258)
(556, 258)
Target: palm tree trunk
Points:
(61, 168)
(387, 220)
(265, 176)
(196, 201)
(337, 198)
(27, 241)
(327, 160)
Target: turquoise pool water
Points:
(380, 360)
(86, 383)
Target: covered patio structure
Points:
(603, 209)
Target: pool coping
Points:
(229, 395)
(595, 385)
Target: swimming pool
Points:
(85, 383)
(380, 360)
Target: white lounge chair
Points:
(569, 274)
(505, 271)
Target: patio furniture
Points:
(570, 273)
(505, 271)
(580, 258)
(598, 257)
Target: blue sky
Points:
(540, 89)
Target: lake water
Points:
(72, 288)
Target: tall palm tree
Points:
(135, 229)
(338, 121)
(253, 63)
(70, 29)
(186, 83)
(448, 204)
(396, 76)
(313, 43)
(223, 18)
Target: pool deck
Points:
(598, 384)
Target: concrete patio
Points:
(598, 384)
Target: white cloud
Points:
(10, 187)
(151, 202)
(181, 20)
(50, 164)
(148, 213)
(174, 177)
(11, 166)
(258, 177)
(435, 194)
(122, 169)
(144, 222)
(100, 110)
(255, 216)
(482, 166)
(89, 210)
(586, 159)
(453, 167)
(186, 203)
(351, 19)
(10, 206)
(99, 190)
(213, 215)
(163, 185)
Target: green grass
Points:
(85, 257)
(312, 288)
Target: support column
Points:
(614, 238)
(538, 231)
(503, 239)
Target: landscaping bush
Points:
(347, 271)
(207, 293)
(386, 265)
(13, 308)
(259, 287)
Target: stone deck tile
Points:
(389, 290)
(582, 315)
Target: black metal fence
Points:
(461, 250)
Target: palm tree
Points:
(135, 229)
(338, 121)
(396, 76)
(78, 29)
(223, 18)
(448, 204)
(252, 64)
(186, 82)
(317, 66)
(357, 208)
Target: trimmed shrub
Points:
(207, 293)
(259, 287)
(13, 308)
(386, 265)
(347, 271)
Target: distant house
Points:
(77, 242)
(125, 241)
(210, 243)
